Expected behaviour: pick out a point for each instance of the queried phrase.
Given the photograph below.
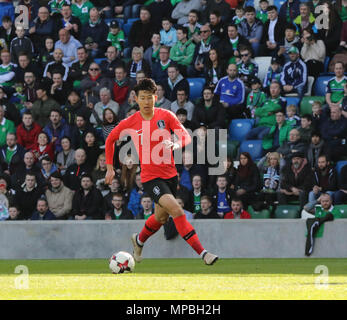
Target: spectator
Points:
(247, 68)
(273, 74)
(134, 204)
(183, 8)
(128, 173)
(147, 207)
(229, 172)
(255, 98)
(294, 74)
(91, 147)
(76, 170)
(69, 45)
(114, 187)
(278, 134)
(7, 71)
(269, 167)
(25, 65)
(79, 69)
(324, 181)
(168, 36)
(221, 196)
(159, 68)
(46, 53)
(266, 114)
(105, 102)
(181, 115)
(44, 146)
(313, 53)
(201, 53)
(6, 126)
(230, 46)
(137, 63)
(289, 10)
(296, 180)
(79, 130)
(334, 133)
(48, 168)
(207, 210)
(316, 148)
(252, 29)
(214, 68)
(151, 54)
(66, 156)
(231, 92)
(27, 195)
(7, 30)
(193, 26)
(29, 90)
(188, 214)
(335, 86)
(162, 102)
(109, 65)
(80, 9)
(217, 25)
(209, 111)
(99, 172)
(217, 5)
(292, 118)
(331, 34)
(43, 26)
(118, 211)
(109, 122)
(237, 211)
(174, 82)
(194, 203)
(20, 44)
(182, 102)
(142, 30)
(14, 213)
(290, 40)
(239, 15)
(11, 155)
(121, 85)
(94, 34)
(42, 211)
(305, 19)
(182, 51)
(262, 11)
(59, 197)
(93, 82)
(28, 166)
(247, 179)
(273, 32)
(11, 112)
(87, 201)
(73, 107)
(305, 130)
(69, 22)
(60, 89)
(116, 36)
(56, 65)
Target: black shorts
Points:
(157, 187)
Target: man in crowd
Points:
(182, 102)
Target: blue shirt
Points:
(222, 203)
(231, 92)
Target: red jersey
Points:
(244, 215)
(147, 135)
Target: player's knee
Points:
(176, 211)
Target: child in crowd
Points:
(240, 15)
(262, 13)
(292, 119)
(168, 35)
(116, 36)
(317, 112)
(273, 74)
(19, 98)
(255, 98)
(21, 44)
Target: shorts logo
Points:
(156, 190)
(161, 124)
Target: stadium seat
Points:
(278, 3)
(340, 165)
(230, 146)
(263, 214)
(195, 85)
(287, 212)
(263, 65)
(306, 104)
(132, 20)
(343, 210)
(293, 100)
(320, 85)
(239, 128)
(253, 147)
(326, 63)
(98, 60)
(308, 92)
(126, 28)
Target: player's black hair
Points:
(146, 84)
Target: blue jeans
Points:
(257, 133)
(312, 199)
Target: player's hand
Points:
(170, 145)
(109, 176)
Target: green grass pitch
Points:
(174, 279)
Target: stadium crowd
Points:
(66, 80)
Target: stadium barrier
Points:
(268, 238)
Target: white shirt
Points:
(272, 30)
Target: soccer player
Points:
(150, 131)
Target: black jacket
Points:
(171, 94)
(72, 176)
(303, 181)
(90, 204)
(213, 117)
(251, 183)
(27, 200)
(75, 71)
(332, 180)
(140, 34)
(16, 160)
(226, 49)
(108, 68)
(278, 32)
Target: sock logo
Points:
(156, 190)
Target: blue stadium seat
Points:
(321, 84)
(239, 128)
(195, 86)
(253, 147)
(340, 165)
(293, 100)
(126, 28)
(278, 3)
(132, 20)
(249, 3)
(98, 60)
(326, 64)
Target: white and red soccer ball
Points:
(122, 262)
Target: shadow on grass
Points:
(180, 266)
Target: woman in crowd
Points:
(91, 147)
(128, 173)
(66, 157)
(137, 63)
(109, 121)
(215, 68)
(43, 147)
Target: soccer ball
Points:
(122, 262)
